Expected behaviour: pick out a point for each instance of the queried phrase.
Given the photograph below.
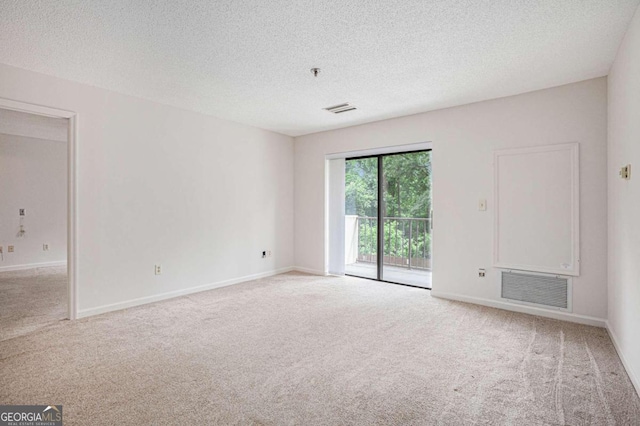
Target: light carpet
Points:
(32, 299)
(307, 350)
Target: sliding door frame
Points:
(381, 211)
(381, 208)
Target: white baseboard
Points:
(309, 271)
(32, 266)
(632, 375)
(83, 313)
(564, 316)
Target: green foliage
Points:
(367, 243)
(396, 237)
(407, 185)
(407, 194)
(361, 187)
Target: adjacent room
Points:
(33, 222)
(320, 212)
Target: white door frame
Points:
(72, 195)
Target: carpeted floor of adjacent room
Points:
(31, 300)
(308, 350)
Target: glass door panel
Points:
(361, 217)
(406, 186)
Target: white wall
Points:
(464, 139)
(157, 184)
(624, 200)
(335, 212)
(33, 176)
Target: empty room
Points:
(319, 212)
(33, 212)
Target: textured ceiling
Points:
(248, 61)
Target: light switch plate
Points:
(482, 205)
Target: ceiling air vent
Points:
(338, 109)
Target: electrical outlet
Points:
(158, 269)
(625, 172)
(481, 273)
(482, 205)
(45, 247)
(10, 249)
(22, 212)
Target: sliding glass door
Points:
(407, 225)
(398, 227)
(361, 217)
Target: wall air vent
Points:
(338, 109)
(549, 291)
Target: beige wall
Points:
(624, 201)
(33, 176)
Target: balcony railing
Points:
(407, 241)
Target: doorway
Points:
(388, 217)
(37, 206)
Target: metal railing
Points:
(407, 241)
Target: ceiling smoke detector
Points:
(338, 109)
(315, 71)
